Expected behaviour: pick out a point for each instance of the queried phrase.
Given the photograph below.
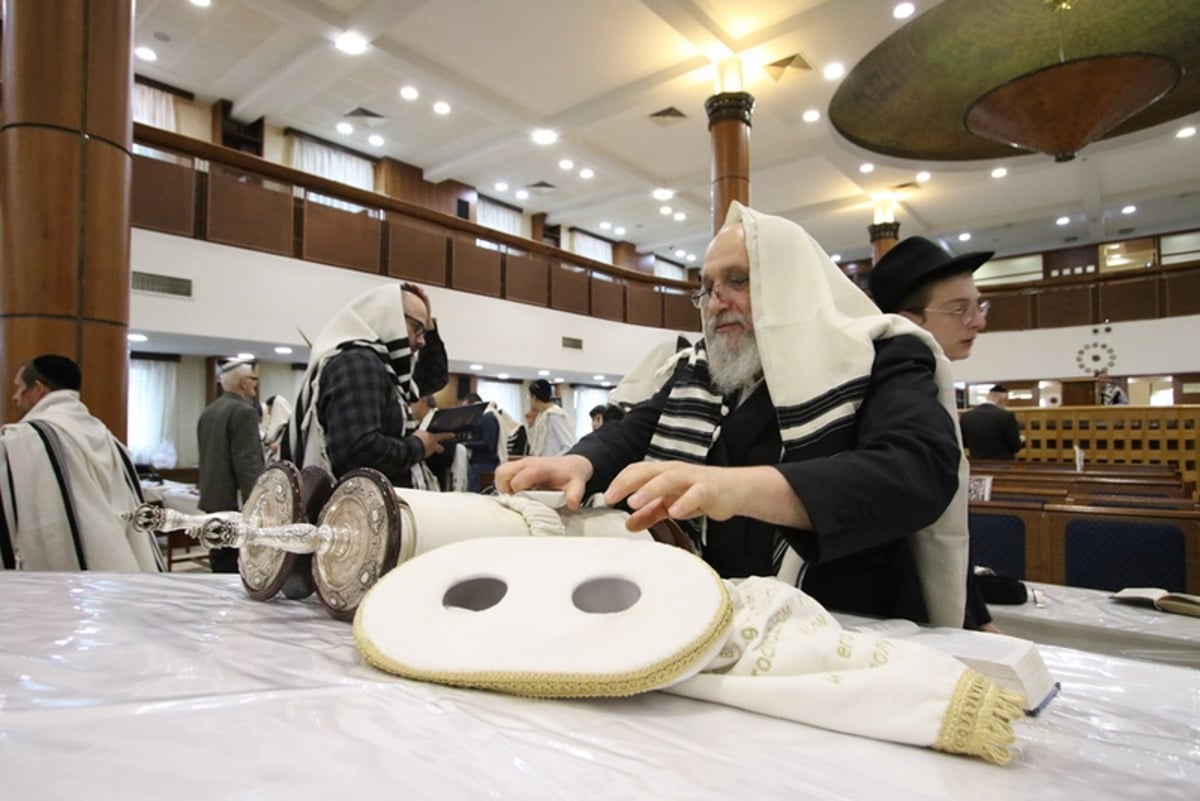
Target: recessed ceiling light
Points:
(999, 172)
(344, 127)
(679, 254)
(679, 216)
(476, 366)
(587, 173)
(606, 383)
(923, 176)
(836, 257)
(662, 194)
(833, 71)
(137, 337)
(566, 164)
(245, 356)
(146, 54)
(1063, 221)
(283, 350)
(543, 372)
(597, 378)
(964, 237)
(441, 107)
(903, 10)
(409, 92)
(501, 186)
(691, 257)
(866, 167)
(202, 3)
(558, 380)
(812, 115)
(375, 139)
(522, 194)
(1129, 209)
(665, 210)
(619, 231)
(1184, 133)
(544, 136)
(604, 226)
(502, 376)
(351, 42)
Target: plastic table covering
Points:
(1075, 617)
(131, 686)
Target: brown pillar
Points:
(729, 116)
(884, 237)
(64, 193)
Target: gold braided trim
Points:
(978, 721)
(564, 685)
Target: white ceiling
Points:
(594, 70)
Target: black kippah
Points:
(59, 370)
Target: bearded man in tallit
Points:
(65, 481)
(355, 405)
(807, 436)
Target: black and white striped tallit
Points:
(374, 320)
(815, 331)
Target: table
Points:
(150, 686)
(1076, 617)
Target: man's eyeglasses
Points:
(733, 286)
(418, 326)
(966, 313)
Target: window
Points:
(151, 416)
(336, 165)
(498, 217)
(585, 399)
(592, 247)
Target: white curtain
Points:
(153, 107)
(592, 247)
(664, 269)
(498, 217)
(336, 165)
(506, 395)
(151, 417)
(585, 399)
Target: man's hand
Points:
(679, 490)
(568, 473)
(432, 442)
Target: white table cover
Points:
(1075, 617)
(139, 686)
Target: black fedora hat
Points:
(913, 262)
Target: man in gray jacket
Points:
(231, 452)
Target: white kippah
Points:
(552, 617)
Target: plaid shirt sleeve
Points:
(363, 418)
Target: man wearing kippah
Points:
(65, 481)
(807, 436)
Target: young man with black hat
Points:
(65, 481)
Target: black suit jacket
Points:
(867, 487)
(991, 432)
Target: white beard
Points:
(733, 363)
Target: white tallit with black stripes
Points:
(374, 320)
(815, 331)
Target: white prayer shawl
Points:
(647, 378)
(374, 320)
(815, 331)
(550, 434)
(78, 479)
(275, 424)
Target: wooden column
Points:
(64, 193)
(884, 237)
(729, 115)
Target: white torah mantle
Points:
(580, 617)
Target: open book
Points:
(1178, 602)
(1011, 662)
(459, 420)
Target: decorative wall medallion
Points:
(1096, 356)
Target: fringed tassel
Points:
(978, 721)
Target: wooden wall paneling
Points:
(608, 299)
(416, 252)
(626, 255)
(1011, 310)
(40, 89)
(1183, 291)
(25, 336)
(1129, 299)
(247, 211)
(163, 196)
(1071, 262)
(104, 361)
(105, 281)
(109, 72)
(474, 269)
(569, 288)
(341, 237)
(1064, 306)
(679, 313)
(527, 279)
(644, 304)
